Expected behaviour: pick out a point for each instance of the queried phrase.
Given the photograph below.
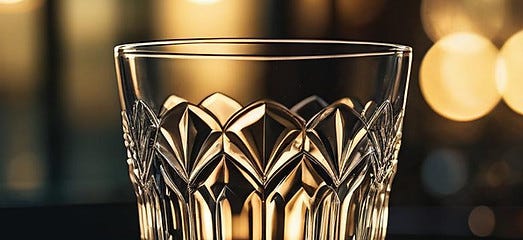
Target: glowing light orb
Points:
(19, 6)
(204, 1)
(444, 172)
(10, 1)
(444, 17)
(482, 221)
(458, 77)
(511, 55)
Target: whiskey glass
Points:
(262, 138)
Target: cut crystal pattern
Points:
(218, 170)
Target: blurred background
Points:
(461, 163)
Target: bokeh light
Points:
(223, 18)
(17, 6)
(190, 19)
(204, 1)
(444, 172)
(482, 221)
(24, 172)
(498, 173)
(501, 75)
(20, 51)
(443, 17)
(10, 1)
(309, 17)
(513, 21)
(458, 77)
(511, 55)
(357, 13)
(89, 27)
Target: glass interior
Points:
(286, 71)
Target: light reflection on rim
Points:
(133, 49)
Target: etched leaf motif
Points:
(334, 136)
(189, 137)
(140, 130)
(384, 134)
(264, 136)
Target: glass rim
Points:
(138, 49)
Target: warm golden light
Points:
(189, 18)
(457, 77)
(89, 28)
(16, 6)
(443, 17)
(512, 68)
(226, 218)
(183, 18)
(233, 78)
(10, 1)
(513, 21)
(295, 210)
(241, 227)
(204, 1)
(501, 75)
(20, 53)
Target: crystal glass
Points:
(262, 139)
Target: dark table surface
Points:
(119, 221)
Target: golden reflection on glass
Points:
(309, 17)
(443, 17)
(225, 217)
(24, 172)
(357, 13)
(204, 218)
(241, 227)
(233, 78)
(482, 221)
(512, 62)
(295, 222)
(458, 77)
(89, 29)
